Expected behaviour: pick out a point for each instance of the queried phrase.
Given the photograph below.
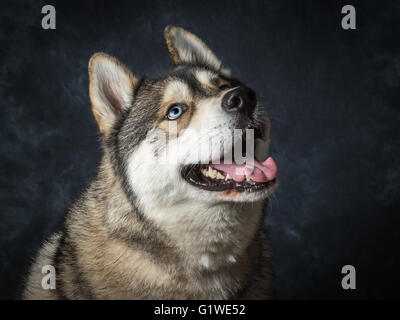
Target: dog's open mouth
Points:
(208, 178)
(258, 174)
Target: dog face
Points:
(189, 135)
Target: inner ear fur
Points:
(111, 86)
(185, 47)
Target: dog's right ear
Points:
(111, 87)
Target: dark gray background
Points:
(332, 95)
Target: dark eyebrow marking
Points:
(186, 73)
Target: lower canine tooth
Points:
(248, 178)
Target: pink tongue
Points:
(262, 172)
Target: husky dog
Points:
(152, 229)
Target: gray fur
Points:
(113, 247)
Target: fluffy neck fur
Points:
(208, 236)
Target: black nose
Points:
(241, 99)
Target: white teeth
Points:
(219, 176)
(261, 150)
(212, 173)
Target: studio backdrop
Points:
(332, 94)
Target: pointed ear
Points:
(111, 87)
(185, 47)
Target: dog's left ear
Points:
(111, 87)
(185, 47)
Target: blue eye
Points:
(175, 112)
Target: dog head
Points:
(195, 133)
